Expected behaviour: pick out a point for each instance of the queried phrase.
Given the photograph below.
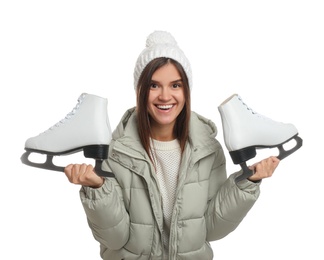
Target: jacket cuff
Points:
(97, 193)
(246, 184)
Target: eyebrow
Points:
(174, 81)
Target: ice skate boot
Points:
(245, 131)
(85, 128)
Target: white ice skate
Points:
(85, 128)
(245, 131)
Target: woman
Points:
(170, 196)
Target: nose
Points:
(165, 94)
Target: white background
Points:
(269, 52)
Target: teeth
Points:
(165, 107)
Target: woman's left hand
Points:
(264, 168)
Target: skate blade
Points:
(282, 154)
(49, 165)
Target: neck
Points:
(163, 133)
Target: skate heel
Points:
(246, 173)
(243, 155)
(98, 170)
(99, 151)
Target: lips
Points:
(164, 107)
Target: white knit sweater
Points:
(167, 156)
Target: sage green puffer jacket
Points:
(125, 214)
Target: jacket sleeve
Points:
(230, 201)
(106, 214)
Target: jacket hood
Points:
(201, 130)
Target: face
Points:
(166, 101)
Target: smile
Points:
(164, 107)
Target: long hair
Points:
(181, 128)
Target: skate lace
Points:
(69, 115)
(253, 111)
(247, 107)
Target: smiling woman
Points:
(270, 52)
(171, 195)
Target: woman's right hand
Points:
(83, 174)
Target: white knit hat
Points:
(161, 44)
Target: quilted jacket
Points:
(125, 214)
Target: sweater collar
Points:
(202, 131)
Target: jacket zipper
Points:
(133, 169)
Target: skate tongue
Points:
(69, 115)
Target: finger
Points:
(275, 160)
(68, 171)
(89, 173)
(83, 169)
(264, 169)
(76, 171)
(68, 167)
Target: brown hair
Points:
(181, 128)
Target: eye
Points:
(153, 86)
(176, 85)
